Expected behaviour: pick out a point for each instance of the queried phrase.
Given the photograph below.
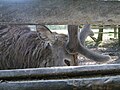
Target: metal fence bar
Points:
(61, 72)
(99, 83)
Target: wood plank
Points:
(59, 12)
(61, 72)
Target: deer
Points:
(22, 48)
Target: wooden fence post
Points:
(100, 36)
(119, 35)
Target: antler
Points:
(85, 32)
(75, 44)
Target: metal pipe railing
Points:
(92, 77)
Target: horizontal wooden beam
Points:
(100, 83)
(61, 72)
(72, 12)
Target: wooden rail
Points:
(74, 12)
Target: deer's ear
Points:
(43, 29)
(67, 62)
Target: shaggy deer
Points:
(22, 48)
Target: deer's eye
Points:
(67, 62)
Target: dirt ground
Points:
(110, 47)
